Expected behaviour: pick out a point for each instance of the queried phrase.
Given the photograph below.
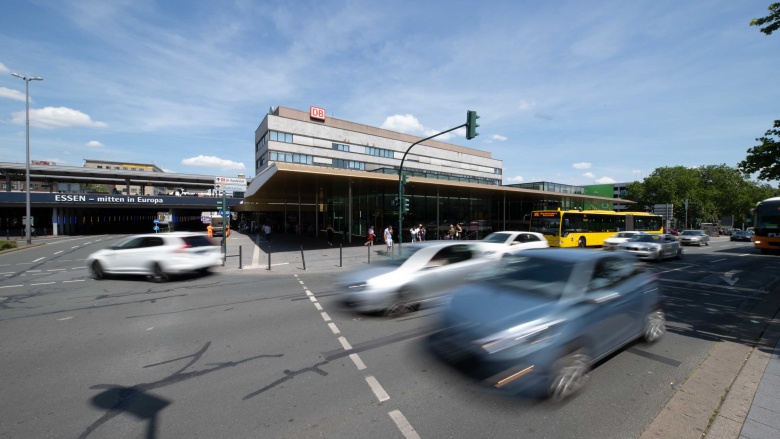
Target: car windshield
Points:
(496, 237)
(692, 232)
(533, 275)
(646, 238)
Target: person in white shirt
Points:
(389, 238)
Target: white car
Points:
(498, 244)
(613, 242)
(157, 255)
(425, 272)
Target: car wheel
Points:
(569, 374)
(655, 325)
(581, 243)
(402, 304)
(158, 275)
(97, 271)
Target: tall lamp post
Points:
(27, 80)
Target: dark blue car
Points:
(537, 323)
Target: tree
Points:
(773, 20)
(764, 158)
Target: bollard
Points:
(269, 256)
(240, 258)
(340, 255)
(303, 259)
(369, 254)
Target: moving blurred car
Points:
(694, 237)
(613, 242)
(653, 247)
(499, 244)
(537, 323)
(157, 255)
(742, 235)
(425, 271)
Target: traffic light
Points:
(471, 124)
(219, 205)
(404, 179)
(406, 205)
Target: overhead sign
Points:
(230, 180)
(317, 113)
(229, 187)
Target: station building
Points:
(313, 171)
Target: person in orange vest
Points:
(227, 231)
(210, 230)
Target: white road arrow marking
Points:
(729, 277)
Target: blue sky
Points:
(569, 91)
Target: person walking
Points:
(422, 233)
(451, 232)
(389, 239)
(370, 237)
(267, 232)
(210, 230)
(414, 231)
(458, 231)
(329, 232)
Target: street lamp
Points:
(27, 80)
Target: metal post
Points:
(27, 80)
(240, 258)
(303, 259)
(269, 256)
(369, 253)
(340, 255)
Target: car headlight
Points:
(518, 335)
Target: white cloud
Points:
(94, 144)
(589, 175)
(210, 160)
(56, 117)
(515, 179)
(498, 137)
(526, 105)
(581, 165)
(4, 69)
(409, 124)
(11, 94)
(606, 180)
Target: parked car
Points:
(654, 247)
(694, 237)
(742, 235)
(500, 244)
(157, 255)
(426, 271)
(538, 322)
(613, 242)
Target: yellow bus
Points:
(766, 223)
(588, 228)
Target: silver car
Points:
(653, 247)
(694, 237)
(539, 321)
(614, 241)
(425, 272)
(500, 244)
(157, 255)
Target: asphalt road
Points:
(252, 353)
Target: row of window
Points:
(349, 164)
(20, 186)
(379, 152)
(291, 158)
(273, 135)
(341, 147)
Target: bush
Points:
(5, 245)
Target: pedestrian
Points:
(389, 239)
(267, 231)
(458, 231)
(329, 232)
(414, 231)
(370, 237)
(210, 230)
(450, 233)
(422, 233)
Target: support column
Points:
(349, 212)
(172, 222)
(54, 225)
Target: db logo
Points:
(317, 113)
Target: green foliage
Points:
(712, 191)
(772, 20)
(5, 245)
(764, 158)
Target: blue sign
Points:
(156, 228)
(156, 221)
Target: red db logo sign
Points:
(317, 113)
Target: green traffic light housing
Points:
(471, 124)
(406, 205)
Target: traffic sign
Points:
(156, 221)
(156, 228)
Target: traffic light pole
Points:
(224, 226)
(400, 183)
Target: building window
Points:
(349, 164)
(379, 152)
(291, 158)
(281, 137)
(341, 147)
(99, 167)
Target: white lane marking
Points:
(309, 293)
(744, 254)
(719, 260)
(312, 298)
(358, 362)
(333, 328)
(406, 428)
(43, 283)
(11, 286)
(65, 318)
(344, 343)
(706, 285)
(23, 263)
(281, 263)
(66, 281)
(75, 246)
(56, 253)
(380, 393)
(8, 272)
(319, 307)
(88, 243)
(39, 259)
(325, 316)
(57, 269)
(301, 282)
(295, 275)
(33, 271)
(149, 329)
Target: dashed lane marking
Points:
(325, 316)
(67, 281)
(65, 318)
(43, 283)
(377, 388)
(334, 328)
(318, 306)
(406, 428)
(358, 362)
(56, 253)
(39, 259)
(11, 286)
(312, 298)
(345, 344)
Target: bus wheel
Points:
(581, 242)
